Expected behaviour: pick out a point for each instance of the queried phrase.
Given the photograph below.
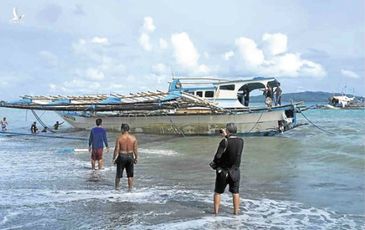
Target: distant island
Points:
(307, 96)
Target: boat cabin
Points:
(227, 94)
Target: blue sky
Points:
(87, 47)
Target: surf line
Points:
(42, 135)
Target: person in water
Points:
(4, 124)
(227, 162)
(57, 125)
(33, 128)
(97, 140)
(125, 156)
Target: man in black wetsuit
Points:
(227, 164)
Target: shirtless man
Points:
(125, 156)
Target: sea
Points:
(311, 177)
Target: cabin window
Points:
(199, 93)
(209, 93)
(226, 87)
(189, 92)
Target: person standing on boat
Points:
(246, 97)
(97, 140)
(227, 162)
(268, 96)
(278, 93)
(125, 156)
(33, 128)
(4, 124)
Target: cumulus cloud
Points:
(251, 55)
(185, 53)
(273, 58)
(274, 44)
(147, 28)
(144, 41)
(148, 25)
(349, 74)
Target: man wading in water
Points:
(227, 162)
(97, 140)
(125, 156)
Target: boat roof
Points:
(210, 83)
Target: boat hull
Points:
(261, 122)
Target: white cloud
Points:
(100, 40)
(48, 57)
(228, 55)
(251, 55)
(185, 53)
(144, 41)
(148, 25)
(163, 43)
(349, 74)
(94, 74)
(274, 44)
(147, 28)
(275, 60)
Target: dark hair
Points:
(231, 128)
(98, 121)
(124, 127)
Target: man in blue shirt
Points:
(97, 140)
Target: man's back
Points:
(97, 138)
(126, 143)
(232, 156)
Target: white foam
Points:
(162, 152)
(264, 213)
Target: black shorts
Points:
(224, 177)
(125, 161)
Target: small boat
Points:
(344, 102)
(190, 106)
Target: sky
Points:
(122, 46)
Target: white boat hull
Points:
(262, 122)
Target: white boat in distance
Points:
(191, 106)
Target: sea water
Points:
(306, 178)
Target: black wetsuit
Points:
(33, 128)
(228, 160)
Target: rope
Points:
(256, 122)
(176, 129)
(323, 130)
(41, 135)
(40, 121)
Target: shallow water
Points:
(303, 179)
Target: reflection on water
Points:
(302, 179)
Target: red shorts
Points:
(97, 154)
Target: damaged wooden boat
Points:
(190, 106)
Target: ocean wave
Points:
(263, 213)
